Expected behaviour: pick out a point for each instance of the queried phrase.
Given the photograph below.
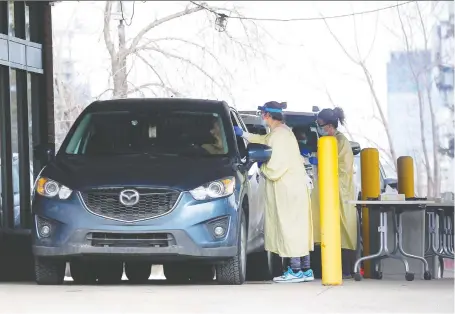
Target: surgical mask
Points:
(322, 132)
(303, 142)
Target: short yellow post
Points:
(369, 163)
(329, 199)
(405, 170)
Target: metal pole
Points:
(329, 199)
(369, 164)
(405, 169)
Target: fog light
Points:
(45, 231)
(219, 227)
(219, 231)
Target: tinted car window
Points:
(171, 132)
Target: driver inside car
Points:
(216, 147)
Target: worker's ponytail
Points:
(339, 114)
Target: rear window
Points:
(169, 133)
(299, 120)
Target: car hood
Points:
(181, 173)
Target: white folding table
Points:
(440, 244)
(396, 208)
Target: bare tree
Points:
(414, 26)
(422, 91)
(151, 50)
(360, 62)
(71, 96)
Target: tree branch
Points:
(156, 23)
(106, 30)
(163, 84)
(190, 43)
(187, 61)
(338, 41)
(370, 82)
(430, 178)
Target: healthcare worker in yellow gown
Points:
(328, 120)
(288, 224)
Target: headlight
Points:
(215, 189)
(50, 188)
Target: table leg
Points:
(382, 229)
(444, 235)
(431, 245)
(382, 253)
(399, 232)
(449, 236)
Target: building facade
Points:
(443, 55)
(26, 103)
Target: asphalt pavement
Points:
(157, 296)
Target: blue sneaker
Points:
(289, 277)
(308, 275)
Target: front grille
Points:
(152, 203)
(104, 239)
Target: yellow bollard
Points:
(329, 199)
(405, 170)
(369, 163)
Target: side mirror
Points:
(355, 147)
(44, 152)
(257, 129)
(258, 152)
(315, 109)
(392, 182)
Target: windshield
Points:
(156, 133)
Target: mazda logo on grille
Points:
(129, 197)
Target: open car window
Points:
(241, 143)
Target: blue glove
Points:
(238, 131)
(259, 164)
(305, 152)
(313, 161)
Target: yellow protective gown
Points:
(348, 213)
(288, 224)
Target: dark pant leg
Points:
(306, 262)
(316, 261)
(347, 261)
(296, 264)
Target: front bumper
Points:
(186, 248)
(187, 227)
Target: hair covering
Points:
(273, 106)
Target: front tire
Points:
(138, 272)
(233, 272)
(49, 271)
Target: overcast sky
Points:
(305, 61)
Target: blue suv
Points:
(139, 182)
